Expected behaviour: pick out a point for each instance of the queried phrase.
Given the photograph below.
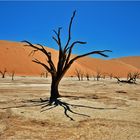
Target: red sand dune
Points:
(134, 61)
(14, 56)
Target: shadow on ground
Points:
(47, 105)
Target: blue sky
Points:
(104, 25)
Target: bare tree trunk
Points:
(98, 78)
(3, 73)
(3, 76)
(46, 74)
(87, 76)
(13, 74)
(78, 74)
(54, 89)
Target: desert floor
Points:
(111, 111)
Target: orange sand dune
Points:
(14, 56)
(133, 60)
(107, 67)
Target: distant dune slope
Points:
(132, 60)
(14, 56)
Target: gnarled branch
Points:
(43, 50)
(69, 49)
(86, 54)
(69, 34)
(41, 63)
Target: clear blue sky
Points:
(104, 25)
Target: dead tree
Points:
(64, 59)
(82, 76)
(87, 76)
(42, 74)
(3, 73)
(79, 74)
(13, 74)
(46, 74)
(131, 78)
(98, 75)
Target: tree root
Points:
(50, 104)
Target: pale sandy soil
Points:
(115, 116)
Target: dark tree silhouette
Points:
(79, 74)
(64, 59)
(131, 78)
(44, 74)
(87, 76)
(98, 75)
(13, 74)
(3, 73)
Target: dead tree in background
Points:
(3, 73)
(42, 74)
(46, 74)
(87, 76)
(98, 75)
(131, 78)
(13, 74)
(64, 59)
(82, 76)
(78, 74)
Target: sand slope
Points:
(14, 56)
(134, 61)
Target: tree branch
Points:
(69, 30)
(48, 54)
(80, 56)
(31, 45)
(62, 53)
(58, 40)
(32, 52)
(69, 49)
(55, 39)
(44, 65)
(86, 54)
(42, 49)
